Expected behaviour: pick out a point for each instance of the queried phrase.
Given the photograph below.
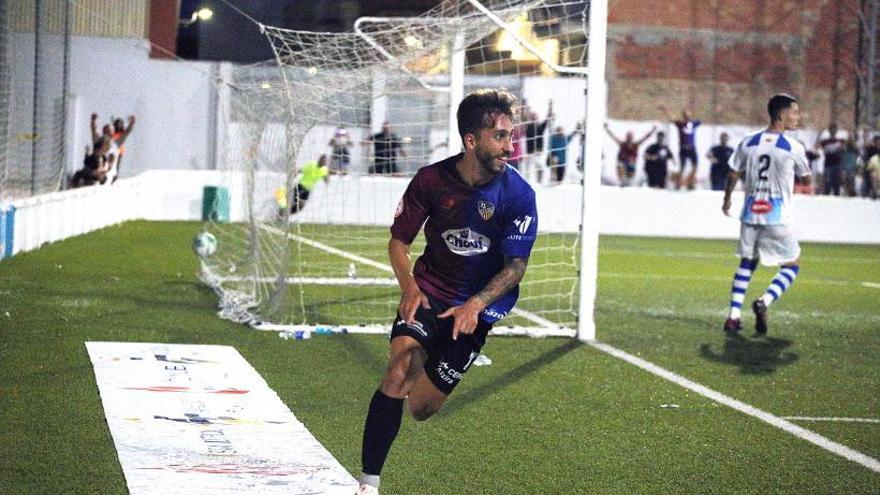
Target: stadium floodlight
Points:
(203, 14)
(327, 264)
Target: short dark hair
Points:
(778, 103)
(479, 109)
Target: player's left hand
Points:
(466, 317)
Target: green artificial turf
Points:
(548, 416)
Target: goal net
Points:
(327, 97)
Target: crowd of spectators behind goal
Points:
(104, 157)
(849, 169)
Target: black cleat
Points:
(732, 325)
(760, 310)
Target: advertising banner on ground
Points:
(199, 419)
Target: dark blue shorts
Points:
(687, 154)
(448, 359)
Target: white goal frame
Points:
(239, 305)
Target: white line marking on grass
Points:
(708, 278)
(872, 285)
(339, 252)
(382, 282)
(705, 255)
(832, 419)
(625, 306)
(802, 433)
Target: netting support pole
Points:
(388, 56)
(595, 116)
(35, 124)
(66, 156)
(492, 16)
(456, 90)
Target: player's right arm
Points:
(410, 294)
(737, 167)
(412, 211)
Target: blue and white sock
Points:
(780, 283)
(740, 283)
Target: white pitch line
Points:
(382, 282)
(381, 266)
(718, 278)
(705, 255)
(802, 433)
(872, 285)
(832, 419)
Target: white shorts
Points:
(773, 245)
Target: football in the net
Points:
(204, 244)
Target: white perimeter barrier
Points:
(177, 195)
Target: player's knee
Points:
(421, 412)
(394, 383)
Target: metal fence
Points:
(33, 89)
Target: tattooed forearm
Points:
(505, 280)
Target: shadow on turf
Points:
(459, 401)
(756, 356)
(328, 310)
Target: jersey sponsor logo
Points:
(447, 373)
(522, 223)
(466, 242)
(492, 313)
(761, 207)
(399, 209)
(486, 209)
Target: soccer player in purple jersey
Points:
(480, 223)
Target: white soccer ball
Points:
(204, 244)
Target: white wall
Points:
(625, 211)
(177, 195)
(171, 100)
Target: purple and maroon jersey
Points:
(469, 231)
(687, 130)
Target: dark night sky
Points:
(230, 36)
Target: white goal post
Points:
(330, 95)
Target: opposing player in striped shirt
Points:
(769, 163)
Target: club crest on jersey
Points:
(486, 209)
(466, 242)
(447, 203)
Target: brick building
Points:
(722, 58)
